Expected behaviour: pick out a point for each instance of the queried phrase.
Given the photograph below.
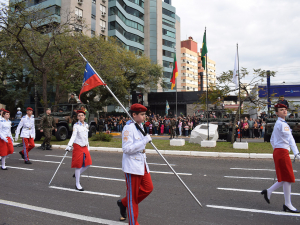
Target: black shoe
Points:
(122, 210)
(79, 189)
(3, 169)
(42, 146)
(22, 155)
(28, 162)
(74, 175)
(286, 209)
(265, 193)
(48, 147)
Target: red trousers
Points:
(138, 188)
(28, 144)
(283, 165)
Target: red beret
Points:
(2, 109)
(280, 106)
(6, 111)
(28, 108)
(138, 108)
(80, 111)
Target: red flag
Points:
(175, 72)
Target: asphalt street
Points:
(229, 190)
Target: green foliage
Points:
(102, 137)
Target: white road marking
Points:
(61, 213)
(151, 171)
(37, 160)
(253, 191)
(254, 178)
(161, 164)
(103, 178)
(18, 168)
(85, 192)
(273, 170)
(59, 156)
(254, 210)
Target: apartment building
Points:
(211, 69)
(92, 12)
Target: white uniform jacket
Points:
(80, 134)
(282, 136)
(28, 130)
(5, 129)
(134, 160)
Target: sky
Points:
(267, 33)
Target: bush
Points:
(102, 137)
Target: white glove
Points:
(297, 156)
(16, 138)
(147, 139)
(69, 148)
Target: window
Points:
(132, 37)
(168, 33)
(167, 64)
(78, 12)
(94, 1)
(168, 75)
(92, 33)
(168, 13)
(130, 23)
(168, 43)
(138, 2)
(130, 10)
(102, 8)
(168, 23)
(102, 23)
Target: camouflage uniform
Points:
(173, 128)
(72, 101)
(47, 124)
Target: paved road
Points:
(227, 188)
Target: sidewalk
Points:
(184, 153)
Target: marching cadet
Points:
(282, 141)
(47, 124)
(27, 134)
(1, 111)
(81, 158)
(137, 174)
(6, 139)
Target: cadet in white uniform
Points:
(137, 174)
(81, 158)
(1, 111)
(27, 134)
(6, 139)
(282, 141)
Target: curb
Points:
(185, 153)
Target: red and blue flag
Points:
(90, 80)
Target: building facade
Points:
(193, 76)
(148, 27)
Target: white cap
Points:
(19, 109)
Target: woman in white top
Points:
(6, 140)
(81, 158)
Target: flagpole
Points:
(237, 50)
(176, 88)
(207, 91)
(140, 129)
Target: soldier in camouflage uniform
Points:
(47, 124)
(173, 128)
(72, 100)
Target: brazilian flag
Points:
(204, 51)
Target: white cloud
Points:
(267, 32)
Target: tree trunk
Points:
(57, 94)
(45, 91)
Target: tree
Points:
(224, 89)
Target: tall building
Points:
(193, 77)
(92, 12)
(147, 27)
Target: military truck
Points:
(294, 124)
(65, 117)
(224, 127)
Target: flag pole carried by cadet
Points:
(93, 80)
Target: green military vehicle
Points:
(294, 124)
(65, 117)
(224, 127)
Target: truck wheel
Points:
(38, 136)
(267, 138)
(92, 131)
(229, 136)
(62, 133)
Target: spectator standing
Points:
(263, 126)
(180, 127)
(255, 128)
(19, 114)
(250, 123)
(156, 126)
(283, 101)
(186, 129)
